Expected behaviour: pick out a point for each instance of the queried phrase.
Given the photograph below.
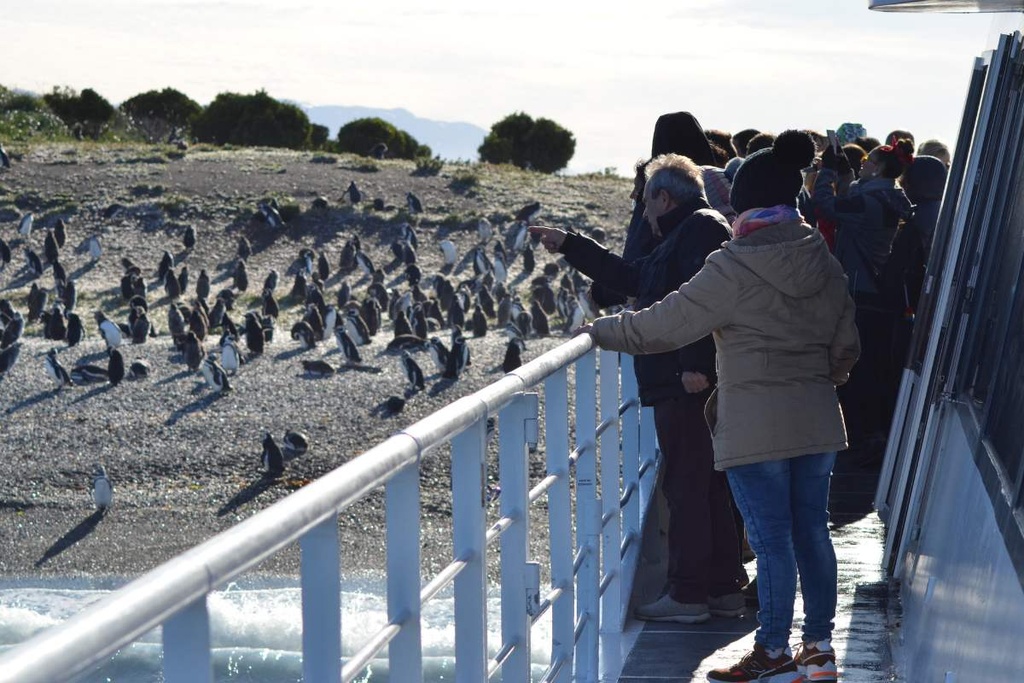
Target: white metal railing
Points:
(591, 573)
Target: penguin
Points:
(5, 254)
(35, 264)
(420, 328)
(315, 322)
(458, 358)
(189, 238)
(318, 368)
(139, 369)
(176, 324)
(408, 233)
(240, 278)
(401, 325)
(271, 216)
(545, 296)
(479, 322)
(75, 330)
(102, 489)
(294, 444)
(393, 405)
(213, 373)
(524, 323)
(414, 203)
(183, 279)
(87, 373)
(330, 321)
(193, 351)
(481, 264)
(273, 460)
(354, 195)
(364, 263)
(347, 346)
(438, 353)
(230, 355)
(513, 354)
(68, 293)
(199, 323)
(529, 261)
(303, 333)
(50, 249)
(269, 304)
(344, 294)
(413, 274)
(448, 253)
(323, 266)
(413, 373)
(255, 340)
(25, 225)
(115, 367)
(540, 320)
(164, 267)
(56, 327)
(8, 357)
(12, 331)
(356, 328)
(94, 247)
(109, 330)
(37, 298)
(499, 269)
(56, 371)
(575, 318)
(172, 288)
(528, 212)
(518, 238)
(270, 282)
(370, 313)
(484, 230)
(216, 316)
(244, 248)
(5, 159)
(347, 259)
(456, 316)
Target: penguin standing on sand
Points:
(413, 373)
(56, 371)
(213, 373)
(273, 460)
(193, 351)
(347, 346)
(513, 354)
(230, 355)
(102, 489)
(439, 354)
(109, 330)
(115, 367)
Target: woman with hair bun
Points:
(866, 219)
(776, 301)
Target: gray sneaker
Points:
(667, 609)
(730, 605)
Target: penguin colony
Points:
(214, 323)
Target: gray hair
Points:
(677, 175)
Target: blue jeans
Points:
(784, 504)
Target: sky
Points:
(605, 71)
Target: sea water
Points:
(256, 629)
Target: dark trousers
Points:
(868, 398)
(703, 549)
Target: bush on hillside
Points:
(319, 136)
(540, 145)
(249, 120)
(160, 114)
(362, 135)
(87, 113)
(24, 117)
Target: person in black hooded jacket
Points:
(705, 571)
(676, 133)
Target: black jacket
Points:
(690, 232)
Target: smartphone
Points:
(833, 140)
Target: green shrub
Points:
(289, 209)
(319, 136)
(249, 120)
(86, 114)
(463, 181)
(158, 114)
(428, 166)
(362, 135)
(540, 145)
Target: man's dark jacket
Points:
(690, 232)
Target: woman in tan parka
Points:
(777, 304)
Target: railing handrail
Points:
(87, 638)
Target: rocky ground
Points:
(184, 459)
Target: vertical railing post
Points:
(631, 532)
(611, 490)
(321, 602)
(469, 538)
(186, 638)
(402, 500)
(556, 446)
(513, 458)
(588, 521)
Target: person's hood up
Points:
(925, 180)
(792, 257)
(680, 133)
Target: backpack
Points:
(902, 277)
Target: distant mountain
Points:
(447, 139)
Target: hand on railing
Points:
(587, 328)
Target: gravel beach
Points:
(184, 459)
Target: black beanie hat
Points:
(772, 176)
(680, 133)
